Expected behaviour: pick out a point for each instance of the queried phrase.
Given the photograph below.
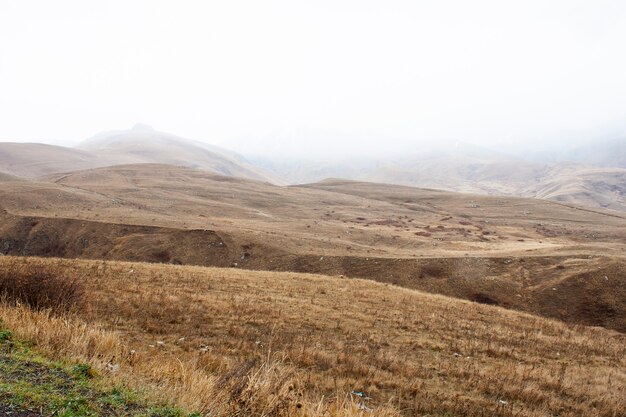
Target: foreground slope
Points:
(414, 354)
(31, 385)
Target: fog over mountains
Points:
(592, 175)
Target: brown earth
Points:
(551, 259)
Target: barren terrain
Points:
(551, 259)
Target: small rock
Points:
(365, 408)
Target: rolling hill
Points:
(533, 255)
(469, 169)
(597, 180)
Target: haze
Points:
(326, 78)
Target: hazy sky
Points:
(380, 73)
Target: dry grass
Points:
(40, 287)
(233, 342)
(270, 388)
(535, 256)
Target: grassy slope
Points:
(32, 385)
(415, 354)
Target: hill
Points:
(595, 181)
(225, 341)
(538, 256)
(591, 187)
(8, 177)
(141, 144)
(31, 160)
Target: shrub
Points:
(40, 287)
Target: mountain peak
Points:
(143, 127)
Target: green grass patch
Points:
(31, 382)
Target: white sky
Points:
(382, 73)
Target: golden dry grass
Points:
(269, 387)
(227, 341)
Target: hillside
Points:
(596, 180)
(31, 160)
(591, 187)
(462, 173)
(547, 258)
(141, 144)
(591, 176)
(8, 177)
(412, 353)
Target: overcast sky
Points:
(378, 73)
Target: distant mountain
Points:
(462, 168)
(596, 178)
(30, 160)
(141, 144)
(467, 168)
(9, 178)
(594, 187)
(611, 153)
